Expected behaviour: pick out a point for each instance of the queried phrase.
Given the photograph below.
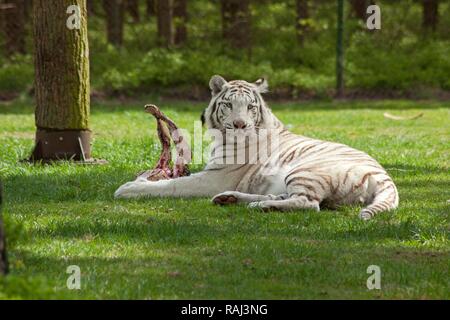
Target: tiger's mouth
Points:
(240, 132)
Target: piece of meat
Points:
(162, 169)
(167, 131)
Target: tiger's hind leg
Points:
(231, 197)
(295, 202)
(306, 190)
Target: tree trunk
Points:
(430, 14)
(28, 9)
(302, 16)
(359, 8)
(340, 50)
(180, 16)
(133, 10)
(90, 7)
(165, 29)
(236, 22)
(114, 10)
(61, 81)
(151, 8)
(3, 256)
(14, 27)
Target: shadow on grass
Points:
(91, 191)
(165, 231)
(189, 274)
(188, 230)
(84, 184)
(100, 182)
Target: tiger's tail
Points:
(385, 199)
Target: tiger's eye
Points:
(250, 107)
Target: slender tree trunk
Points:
(151, 8)
(28, 9)
(302, 16)
(14, 27)
(180, 17)
(90, 7)
(3, 256)
(430, 14)
(61, 81)
(340, 50)
(359, 8)
(165, 28)
(133, 10)
(236, 23)
(114, 10)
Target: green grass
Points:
(169, 248)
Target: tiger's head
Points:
(237, 105)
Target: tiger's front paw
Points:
(261, 205)
(224, 198)
(131, 189)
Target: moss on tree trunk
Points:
(62, 66)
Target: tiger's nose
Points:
(239, 124)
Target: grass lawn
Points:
(175, 249)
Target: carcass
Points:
(167, 132)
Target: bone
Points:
(167, 131)
(399, 118)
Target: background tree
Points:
(430, 14)
(90, 7)
(165, 27)
(302, 17)
(3, 257)
(114, 10)
(61, 82)
(180, 18)
(151, 8)
(359, 8)
(340, 49)
(28, 4)
(236, 22)
(133, 10)
(14, 26)
(269, 36)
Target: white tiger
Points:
(309, 173)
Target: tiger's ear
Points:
(262, 85)
(216, 84)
